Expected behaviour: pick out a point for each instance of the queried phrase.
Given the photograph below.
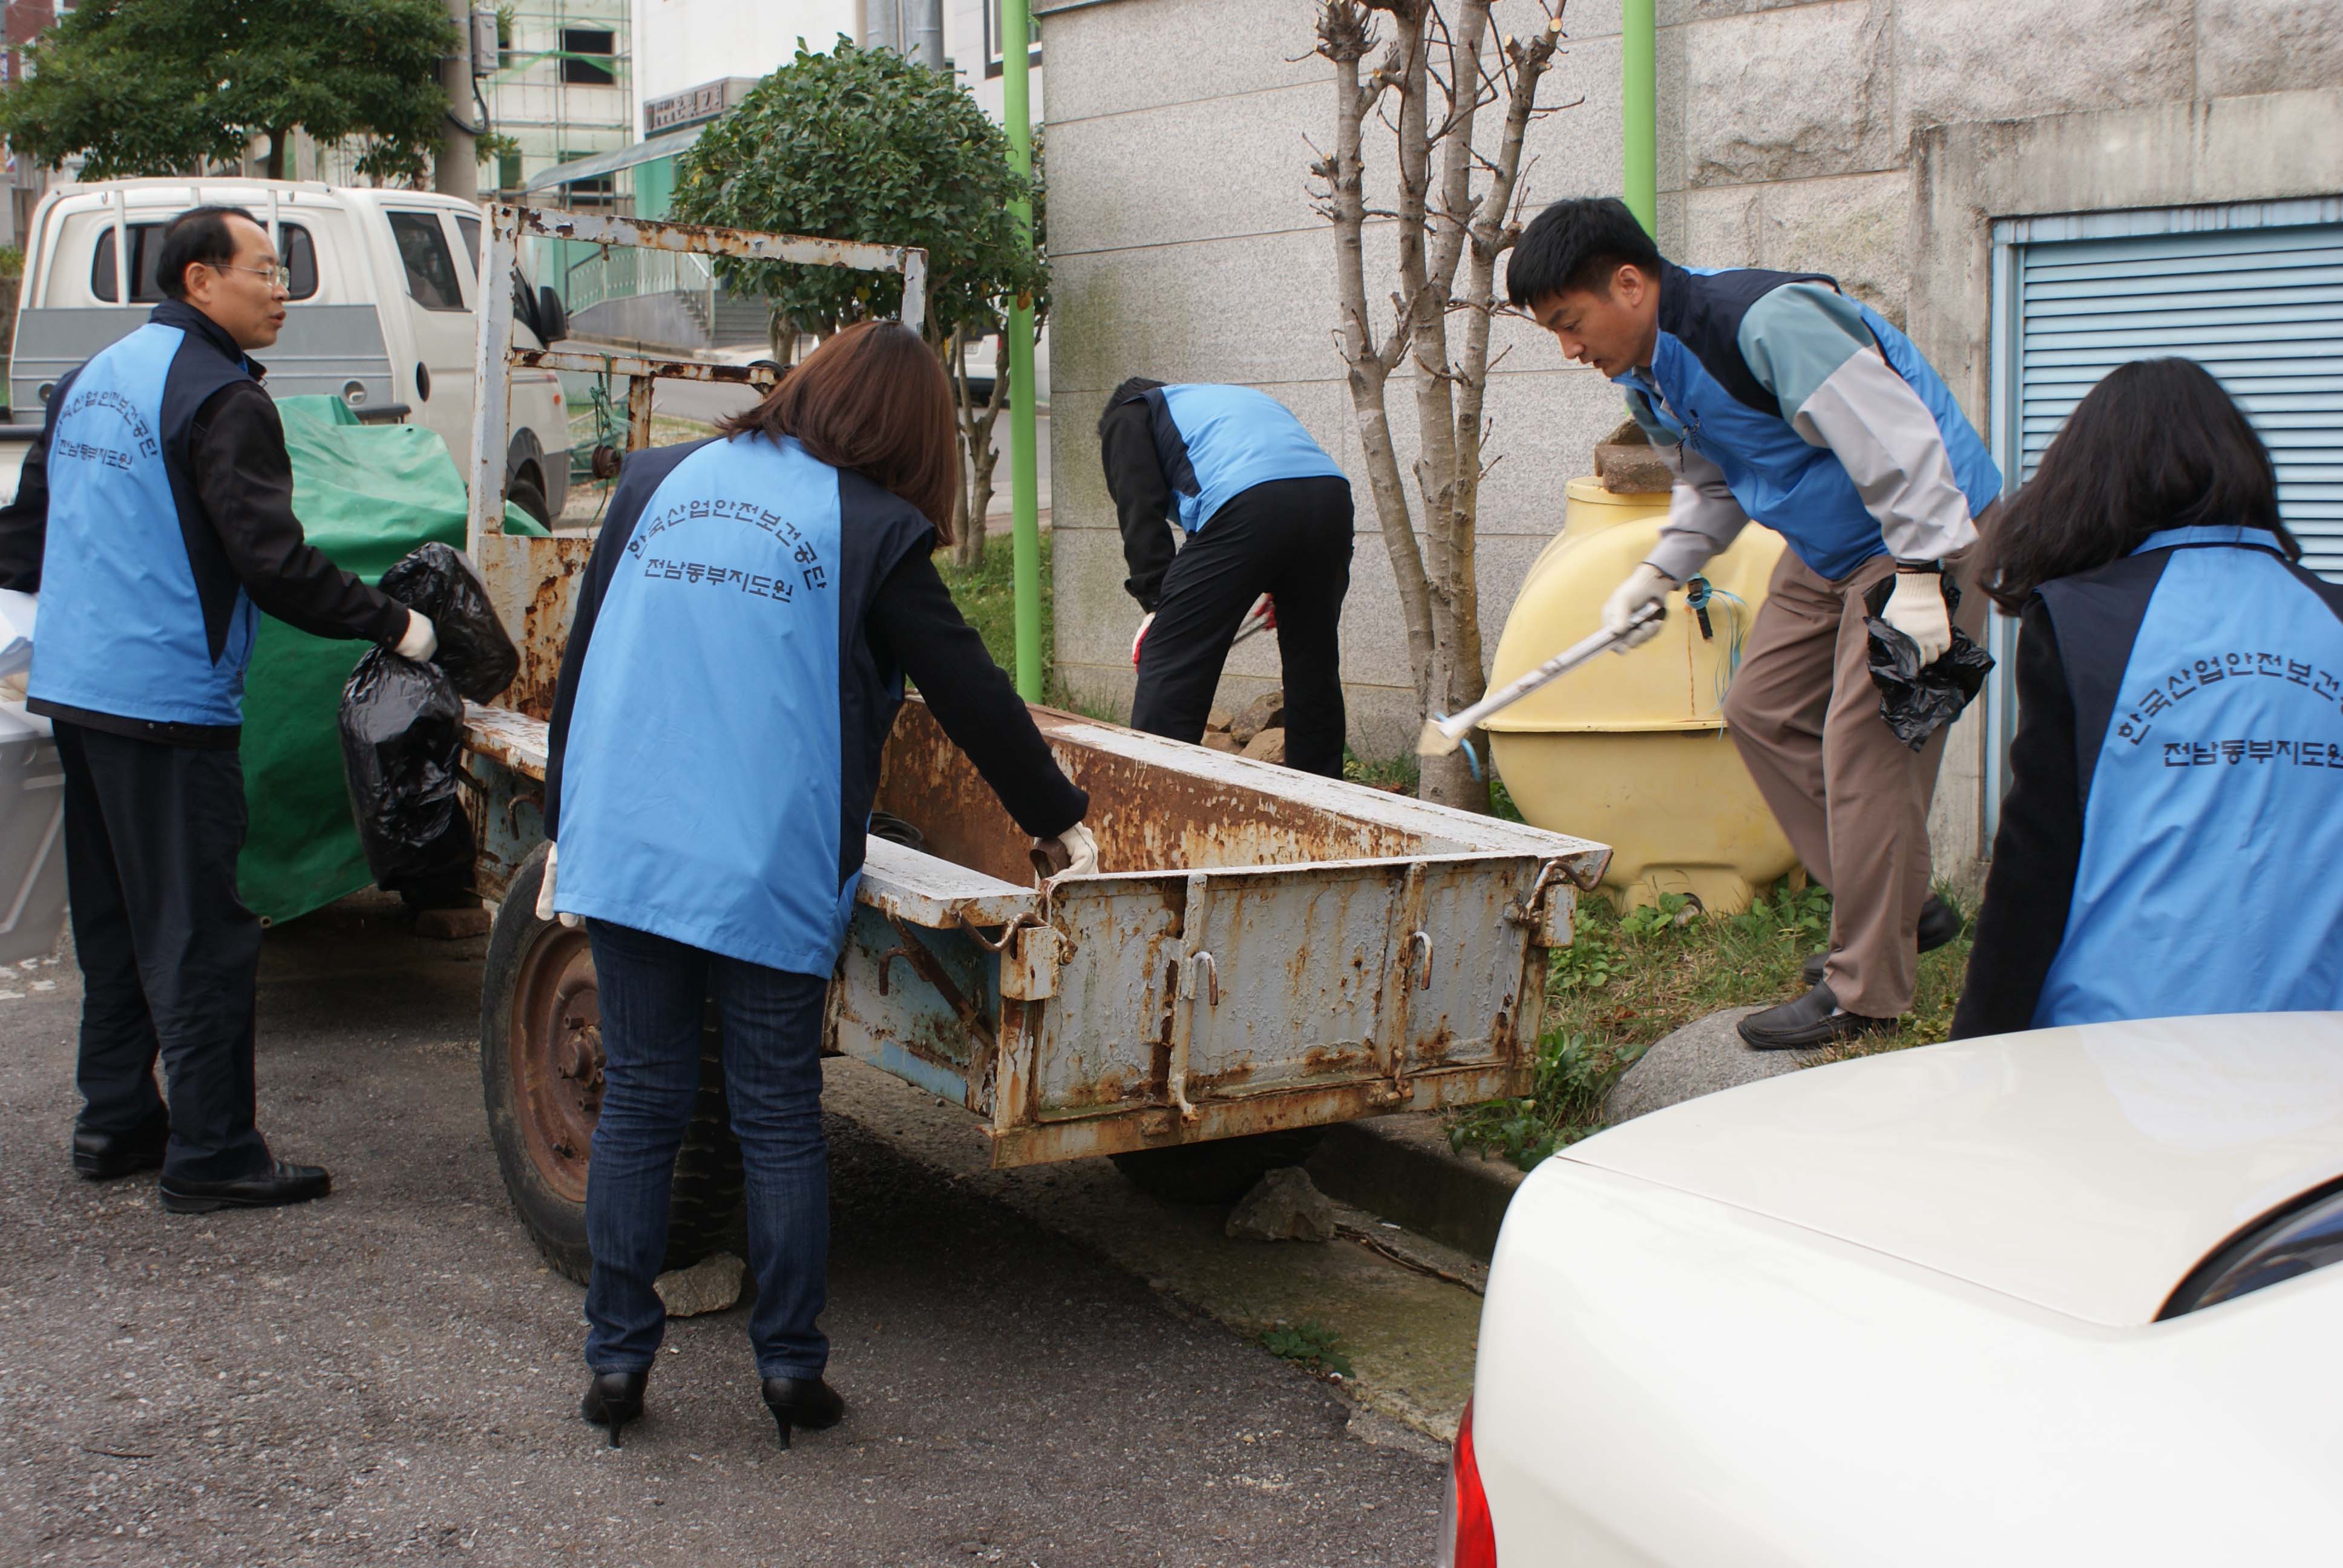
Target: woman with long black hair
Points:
(2172, 837)
(753, 604)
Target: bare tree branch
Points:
(1457, 209)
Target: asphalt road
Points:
(392, 1373)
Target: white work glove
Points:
(1082, 850)
(1916, 608)
(420, 640)
(1144, 622)
(545, 910)
(1645, 585)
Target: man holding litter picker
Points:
(1782, 399)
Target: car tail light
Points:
(1467, 1538)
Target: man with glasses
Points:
(155, 519)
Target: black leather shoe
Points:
(1940, 922)
(614, 1398)
(104, 1156)
(1813, 1020)
(806, 1401)
(281, 1184)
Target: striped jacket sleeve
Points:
(1809, 347)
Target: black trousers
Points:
(170, 958)
(1289, 538)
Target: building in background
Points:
(561, 90)
(2034, 193)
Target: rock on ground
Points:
(1284, 1206)
(710, 1285)
(1259, 713)
(1218, 741)
(1269, 745)
(1703, 1057)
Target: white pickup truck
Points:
(385, 291)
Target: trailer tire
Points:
(1220, 1171)
(527, 491)
(540, 1077)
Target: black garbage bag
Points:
(474, 651)
(1917, 703)
(402, 744)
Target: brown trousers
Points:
(1852, 799)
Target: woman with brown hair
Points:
(753, 604)
(2169, 841)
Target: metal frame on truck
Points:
(1271, 952)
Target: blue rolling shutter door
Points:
(2260, 309)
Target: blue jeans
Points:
(654, 993)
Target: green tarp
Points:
(366, 495)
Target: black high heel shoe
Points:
(806, 1401)
(614, 1398)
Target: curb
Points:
(1401, 1168)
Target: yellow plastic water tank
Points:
(1631, 750)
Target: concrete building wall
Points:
(680, 44)
(1872, 139)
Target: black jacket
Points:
(241, 533)
(1143, 497)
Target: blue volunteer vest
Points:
(1217, 442)
(726, 698)
(122, 626)
(1802, 492)
(2213, 817)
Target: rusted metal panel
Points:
(1301, 966)
(708, 239)
(892, 1012)
(1075, 1140)
(908, 885)
(533, 584)
(1273, 949)
(636, 368)
(1102, 1044)
(506, 806)
(1465, 956)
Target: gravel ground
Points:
(392, 1372)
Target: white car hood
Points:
(2085, 1169)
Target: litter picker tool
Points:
(1443, 735)
(1260, 617)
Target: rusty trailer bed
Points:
(1268, 950)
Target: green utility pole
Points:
(1639, 96)
(1017, 109)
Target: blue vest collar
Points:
(179, 312)
(2210, 534)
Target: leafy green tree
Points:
(165, 86)
(865, 144)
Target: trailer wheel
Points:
(527, 491)
(541, 1077)
(1219, 1171)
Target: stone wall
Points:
(1872, 139)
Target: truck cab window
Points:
(469, 227)
(300, 253)
(430, 270)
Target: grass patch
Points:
(1625, 981)
(1397, 774)
(1309, 1344)
(987, 596)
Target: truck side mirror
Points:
(552, 314)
